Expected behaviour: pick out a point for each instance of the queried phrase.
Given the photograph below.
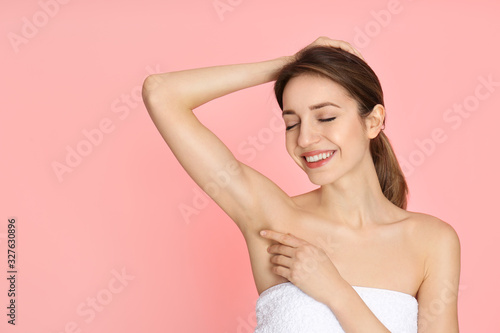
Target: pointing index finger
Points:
(287, 239)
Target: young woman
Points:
(347, 256)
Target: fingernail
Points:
(262, 233)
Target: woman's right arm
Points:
(247, 196)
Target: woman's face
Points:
(323, 127)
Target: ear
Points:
(375, 121)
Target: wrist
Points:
(279, 63)
(342, 290)
(287, 59)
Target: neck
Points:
(356, 200)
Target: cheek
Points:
(349, 136)
(355, 138)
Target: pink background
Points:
(117, 209)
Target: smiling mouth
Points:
(318, 157)
(318, 160)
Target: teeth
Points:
(318, 157)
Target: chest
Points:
(383, 257)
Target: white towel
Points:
(285, 308)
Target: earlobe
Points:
(375, 121)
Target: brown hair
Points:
(355, 76)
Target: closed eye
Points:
(321, 120)
(328, 119)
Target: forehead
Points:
(307, 89)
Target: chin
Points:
(321, 180)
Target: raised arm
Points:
(244, 194)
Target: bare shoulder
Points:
(435, 236)
(431, 227)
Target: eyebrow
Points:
(312, 107)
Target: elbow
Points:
(152, 88)
(159, 92)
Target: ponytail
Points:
(389, 173)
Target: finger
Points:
(340, 44)
(281, 249)
(349, 48)
(282, 260)
(358, 53)
(282, 271)
(287, 239)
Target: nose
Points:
(307, 136)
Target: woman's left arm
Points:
(309, 268)
(438, 294)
